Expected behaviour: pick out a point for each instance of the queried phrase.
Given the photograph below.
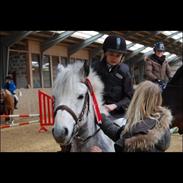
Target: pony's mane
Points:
(68, 77)
(98, 87)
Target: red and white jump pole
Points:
(46, 113)
(19, 116)
(18, 124)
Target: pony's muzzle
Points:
(60, 136)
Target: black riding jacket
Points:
(118, 86)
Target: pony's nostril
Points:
(66, 131)
(60, 134)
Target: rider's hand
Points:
(110, 107)
(95, 149)
(160, 82)
(157, 80)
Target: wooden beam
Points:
(15, 37)
(136, 52)
(95, 51)
(141, 57)
(131, 55)
(170, 36)
(74, 48)
(55, 40)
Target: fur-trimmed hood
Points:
(147, 142)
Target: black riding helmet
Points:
(159, 46)
(8, 77)
(115, 44)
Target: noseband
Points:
(71, 112)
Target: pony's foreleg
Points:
(10, 119)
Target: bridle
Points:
(85, 110)
(71, 112)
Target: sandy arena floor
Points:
(28, 139)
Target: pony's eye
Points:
(80, 97)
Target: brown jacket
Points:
(154, 70)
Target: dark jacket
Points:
(146, 136)
(157, 68)
(118, 86)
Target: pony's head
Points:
(72, 106)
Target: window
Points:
(55, 62)
(36, 71)
(46, 71)
(18, 67)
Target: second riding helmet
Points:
(115, 44)
(159, 46)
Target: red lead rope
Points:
(95, 103)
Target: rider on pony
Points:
(157, 68)
(10, 85)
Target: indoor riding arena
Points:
(31, 59)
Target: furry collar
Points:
(147, 141)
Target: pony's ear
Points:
(86, 68)
(60, 67)
(84, 71)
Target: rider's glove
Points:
(158, 81)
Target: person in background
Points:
(157, 68)
(10, 85)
